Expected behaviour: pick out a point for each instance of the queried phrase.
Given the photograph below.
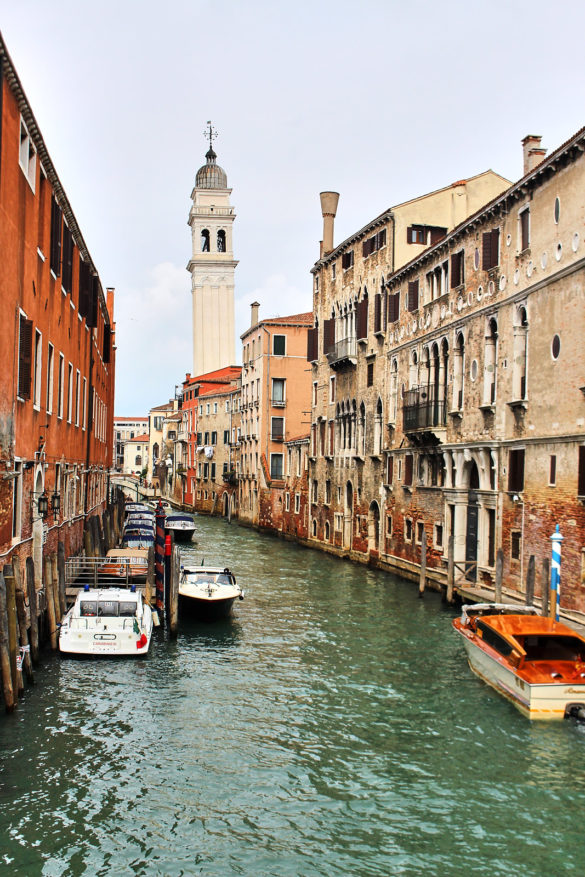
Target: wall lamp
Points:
(43, 505)
(56, 503)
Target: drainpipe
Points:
(393, 241)
(90, 395)
(267, 392)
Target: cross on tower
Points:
(209, 132)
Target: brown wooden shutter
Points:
(393, 307)
(91, 316)
(312, 338)
(56, 227)
(413, 295)
(437, 234)
(486, 250)
(408, 469)
(516, 470)
(581, 486)
(67, 267)
(382, 238)
(362, 319)
(495, 246)
(329, 335)
(378, 312)
(107, 343)
(525, 228)
(24, 357)
(390, 475)
(456, 270)
(83, 287)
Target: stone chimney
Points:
(533, 153)
(255, 308)
(328, 209)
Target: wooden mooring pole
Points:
(23, 620)
(173, 615)
(450, 569)
(7, 685)
(499, 575)
(423, 565)
(545, 583)
(33, 607)
(10, 584)
(530, 577)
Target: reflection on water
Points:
(332, 726)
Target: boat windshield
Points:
(213, 578)
(88, 607)
(552, 648)
(127, 608)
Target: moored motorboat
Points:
(535, 662)
(208, 592)
(107, 621)
(181, 526)
(124, 565)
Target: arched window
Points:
(221, 241)
(458, 372)
(489, 362)
(361, 432)
(520, 354)
(205, 240)
(155, 452)
(378, 428)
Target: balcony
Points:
(343, 353)
(277, 403)
(230, 477)
(277, 437)
(424, 410)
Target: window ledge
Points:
(358, 457)
(456, 413)
(407, 488)
(362, 340)
(518, 403)
(379, 333)
(487, 407)
(376, 456)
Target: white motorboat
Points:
(208, 592)
(536, 663)
(181, 526)
(107, 621)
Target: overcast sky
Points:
(380, 101)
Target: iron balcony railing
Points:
(423, 408)
(346, 349)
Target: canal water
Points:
(332, 727)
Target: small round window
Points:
(557, 211)
(556, 347)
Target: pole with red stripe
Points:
(159, 560)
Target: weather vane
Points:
(209, 132)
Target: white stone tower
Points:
(212, 267)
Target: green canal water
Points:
(331, 728)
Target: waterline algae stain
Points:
(331, 727)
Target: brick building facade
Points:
(56, 346)
(462, 411)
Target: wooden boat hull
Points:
(534, 700)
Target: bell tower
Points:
(212, 266)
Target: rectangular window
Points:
(277, 429)
(27, 156)
(38, 371)
(277, 391)
(276, 465)
(516, 470)
(287, 501)
(390, 470)
(226, 436)
(438, 535)
(50, 359)
(332, 388)
(314, 393)
(24, 357)
(297, 503)
(524, 220)
(491, 249)
(370, 377)
(420, 529)
(552, 475)
(205, 471)
(333, 271)
(213, 471)
(279, 345)
(347, 260)
(77, 396)
(407, 530)
(315, 490)
(214, 437)
(515, 544)
(70, 392)
(327, 492)
(415, 234)
(84, 424)
(60, 385)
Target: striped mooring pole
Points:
(555, 574)
(159, 561)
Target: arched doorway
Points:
(472, 523)
(226, 501)
(348, 516)
(374, 527)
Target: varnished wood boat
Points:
(535, 662)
